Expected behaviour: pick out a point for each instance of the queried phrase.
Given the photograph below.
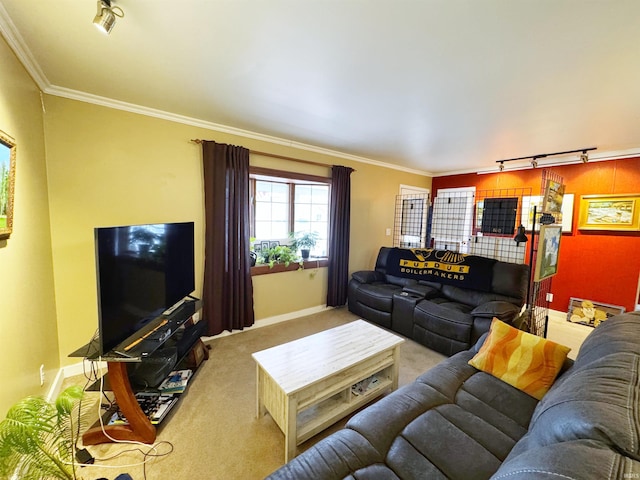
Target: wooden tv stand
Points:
(139, 427)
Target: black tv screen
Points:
(142, 270)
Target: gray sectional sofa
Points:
(456, 422)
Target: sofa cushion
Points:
(595, 402)
(526, 361)
(473, 297)
(511, 280)
(613, 336)
(333, 458)
(446, 318)
(572, 460)
(378, 296)
(504, 311)
(470, 411)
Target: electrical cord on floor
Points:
(82, 456)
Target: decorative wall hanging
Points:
(610, 212)
(7, 183)
(548, 250)
(528, 202)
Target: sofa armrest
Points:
(368, 276)
(504, 311)
(423, 291)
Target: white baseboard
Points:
(263, 322)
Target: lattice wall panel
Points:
(411, 220)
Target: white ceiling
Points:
(434, 86)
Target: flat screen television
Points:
(142, 270)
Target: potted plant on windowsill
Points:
(304, 241)
(280, 254)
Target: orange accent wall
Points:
(599, 266)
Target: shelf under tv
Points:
(117, 379)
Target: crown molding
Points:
(17, 44)
(600, 156)
(172, 117)
(21, 50)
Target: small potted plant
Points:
(305, 241)
(279, 254)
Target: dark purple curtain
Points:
(339, 221)
(228, 290)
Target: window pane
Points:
(279, 212)
(320, 194)
(279, 230)
(263, 230)
(303, 194)
(319, 213)
(263, 212)
(271, 210)
(312, 214)
(280, 193)
(303, 213)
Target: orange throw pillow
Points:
(523, 360)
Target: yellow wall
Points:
(109, 167)
(28, 328)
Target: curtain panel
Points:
(339, 220)
(228, 289)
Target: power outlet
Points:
(549, 297)
(42, 375)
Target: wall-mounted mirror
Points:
(7, 183)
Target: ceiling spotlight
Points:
(105, 19)
(584, 156)
(501, 166)
(534, 162)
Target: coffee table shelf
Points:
(306, 385)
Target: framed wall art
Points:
(587, 312)
(7, 183)
(548, 251)
(553, 196)
(610, 212)
(528, 202)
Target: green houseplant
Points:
(304, 241)
(279, 254)
(37, 438)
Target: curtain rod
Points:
(281, 157)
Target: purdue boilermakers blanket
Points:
(442, 266)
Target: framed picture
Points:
(587, 312)
(566, 213)
(264, 245)
(610, 212)
(553, 195)
(7, 183)
(274, 243)
(548, 250)
(257, 247)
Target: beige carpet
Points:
(213, 429)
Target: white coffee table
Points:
(306, 385)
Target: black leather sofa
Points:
(440, 315)
(456, 422)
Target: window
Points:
(284, 202)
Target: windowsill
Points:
(279, 267)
